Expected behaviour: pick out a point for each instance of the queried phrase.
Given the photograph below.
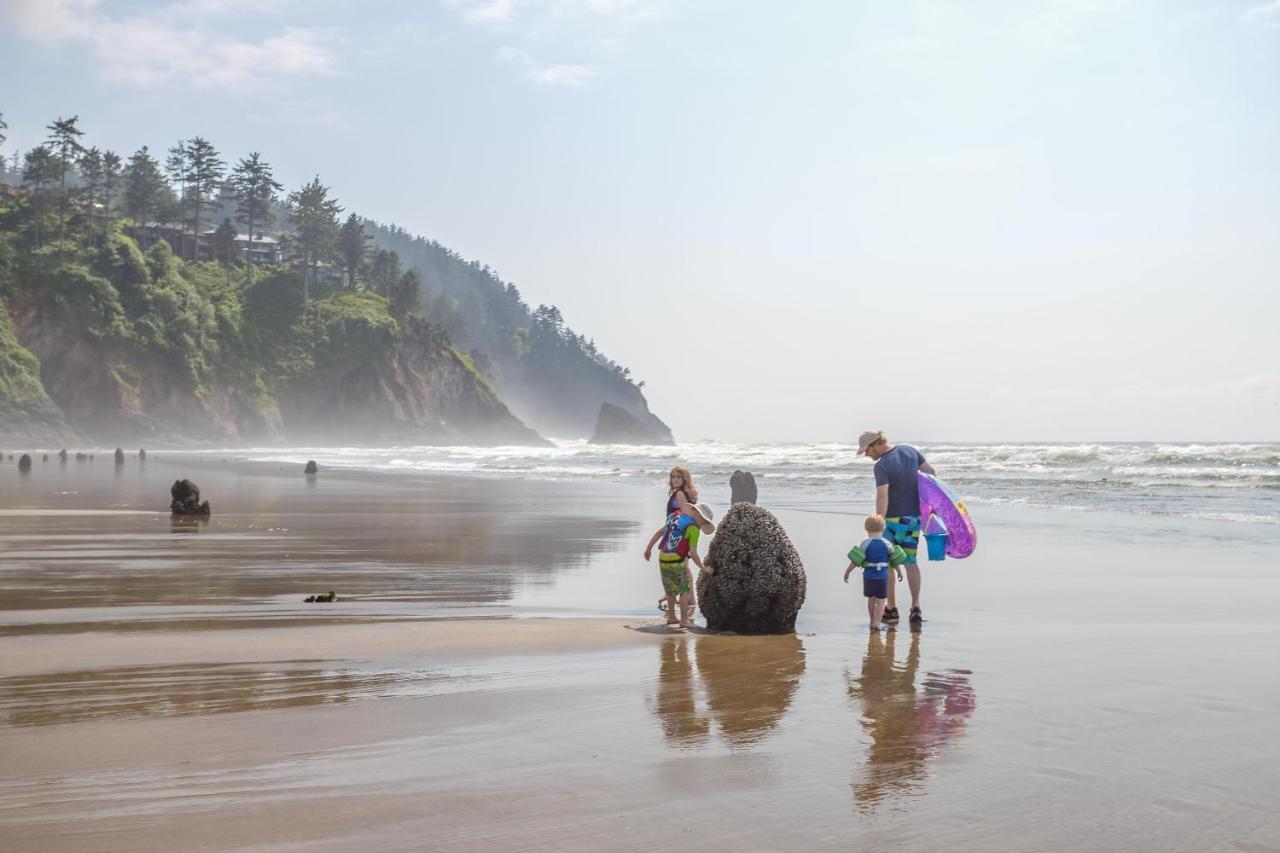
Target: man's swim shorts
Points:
(904, 531)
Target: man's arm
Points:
(927, 468)
(882, 499)
(697, 561)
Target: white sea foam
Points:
(1235, 482)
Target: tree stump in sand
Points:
(759, 582)
(186, 499)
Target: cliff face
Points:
(125, 349)
(554, 378)
(26, 412)
(422, 389)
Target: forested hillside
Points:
(125, 315)
(193, 298)
(552, 377)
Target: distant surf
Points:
(1226, 482)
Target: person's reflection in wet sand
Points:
(748, 684)
(907, 726)
(683, 724)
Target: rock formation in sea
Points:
(742, 487)
(119, 456)
(186, 499)
(311, 467)
(759, 582)
(615, 425)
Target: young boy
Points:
(679, 538)
(875, 556)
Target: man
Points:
(898, 501)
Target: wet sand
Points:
(495, 677)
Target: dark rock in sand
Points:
(742, 488)
(142, 455)
(44, 458)
(62, 454)
(82, 457)
(759, 582)
(186, 499)
(24, 463)
(119, 456)
(322, 598)
(616, 425)
(311, 468)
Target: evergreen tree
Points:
(205, 169)
(112, 174)
(90, 167)
(384, 272)
(254, 188)
(177, 166)
(3, 127)
(64, 139)
(315, 223)
(40, 172)
(353, 248)
(146, 192)
(224, 246)
(408, 291)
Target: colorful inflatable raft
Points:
(937, 500)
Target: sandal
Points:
(916, 616)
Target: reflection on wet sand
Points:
(748, 684)
(907, 726)
(424, 546)
(187, 690)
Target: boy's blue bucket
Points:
(937, 543)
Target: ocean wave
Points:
(1228, 482)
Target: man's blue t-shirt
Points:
(899, 468)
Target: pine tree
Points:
(224, 246)
(178, 167)
(384, 271)
(254, 189)
(112, 173)
(64, 139)
(408, 291)
(90, 167)
(145, 190)
(315, 222)
(353, 248)
(205, 171)
(40, 172)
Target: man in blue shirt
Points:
(898, 501)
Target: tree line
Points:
(84, 188)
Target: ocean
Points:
(1220, 482)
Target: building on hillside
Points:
(261, 249)
(9, 191)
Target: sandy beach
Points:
(495, 676)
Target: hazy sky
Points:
(954, 220)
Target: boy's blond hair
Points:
(874, 524)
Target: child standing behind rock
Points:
(679, 544)
(875, 557)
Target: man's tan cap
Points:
(869, 438)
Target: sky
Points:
(1032, 220)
